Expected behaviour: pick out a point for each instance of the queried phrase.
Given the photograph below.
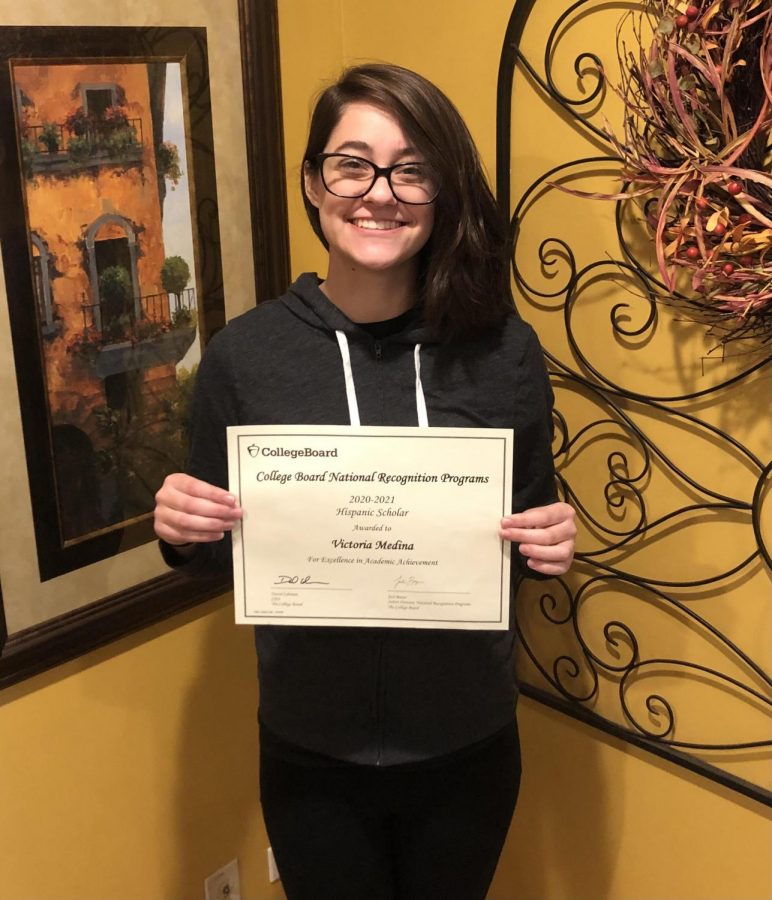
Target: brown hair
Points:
(463, 268)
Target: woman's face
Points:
(375, 232)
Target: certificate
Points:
(371, 526)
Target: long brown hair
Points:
(463, 271)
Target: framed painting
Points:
(113, 277)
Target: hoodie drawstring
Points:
(420, 400)
(351, 396)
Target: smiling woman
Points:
(368, 230)
(383, 749)
(461, 273)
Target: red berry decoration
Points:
(682, 21)
(746, 261)
(692, 12)
(693, 252)
(701, 203)
(744, 218)
(735, 188)
(727, 268)
(720, 229)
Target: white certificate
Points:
(371, 526)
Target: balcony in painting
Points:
(81, 142)
(161, 335)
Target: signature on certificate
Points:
(297, 579)
(406, 582)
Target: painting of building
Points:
(103, 152)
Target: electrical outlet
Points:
(224, 883)
(273, 872)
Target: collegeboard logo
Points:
(255, 450)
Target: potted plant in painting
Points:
(49, 136)
(175, 275)
(120, 144)
(79, 123)
(81, 127)
(167, 160)
(116, 136)
(114, 295)
(79, 149)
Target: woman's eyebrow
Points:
(364, 147)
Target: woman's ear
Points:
(311, 182)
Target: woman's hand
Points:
(546, 536)
(188, 510)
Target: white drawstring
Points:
(420, 400)
(351, 396)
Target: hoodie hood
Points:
(306, 300)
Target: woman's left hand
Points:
(546, 536)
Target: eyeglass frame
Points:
(379, 172)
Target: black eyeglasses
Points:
(352, 176)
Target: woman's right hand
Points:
(188, 510)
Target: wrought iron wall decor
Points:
(638, 642)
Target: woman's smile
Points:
(377, 224)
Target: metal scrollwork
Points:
(632, 641)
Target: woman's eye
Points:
(353, 166)
(412, 172)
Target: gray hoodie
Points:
(378, 696)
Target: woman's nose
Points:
(381, 191)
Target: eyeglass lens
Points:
(351, 176)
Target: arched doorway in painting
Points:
(111, 245)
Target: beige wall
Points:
(131, 773)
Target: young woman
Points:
(389, 757)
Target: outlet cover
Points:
(224, 883)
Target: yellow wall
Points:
(596, 819)
(131, 773)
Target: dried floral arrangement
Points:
(698, 112)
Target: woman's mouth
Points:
(376, 224)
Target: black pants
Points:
(429, 831)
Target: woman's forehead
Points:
(362, 128)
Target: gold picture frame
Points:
(69, 587)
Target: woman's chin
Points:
(380, 262)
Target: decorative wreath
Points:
(698, 112)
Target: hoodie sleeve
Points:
(214, 407)
(534, 471)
